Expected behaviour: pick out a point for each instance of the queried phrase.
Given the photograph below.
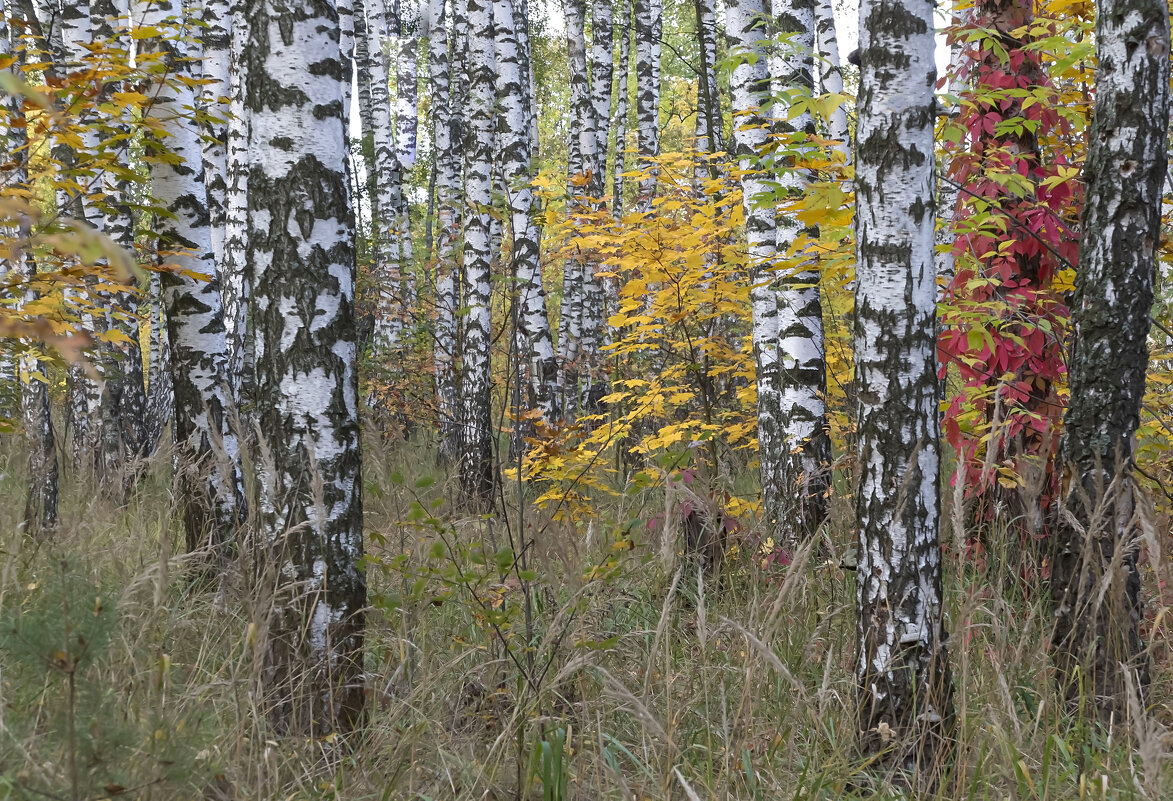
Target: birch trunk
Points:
(406, 113)
(536, 347)
(902, 668)
(602, 71)
(69, 35)
(621, 106)
(123, 405)
(831, 74)
(406, 85)
(209, 464)
(446, 143)
(160, 392)
(40, 512)
(796, 498)
(750, 85)
(649, 26)
(303, 267)
(477, 471)
(236, 284)
(386, 204)
(709, 125)
(575, 327)
(1095, 580)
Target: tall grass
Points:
(623, 672)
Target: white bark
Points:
(831, 74)
(649, 28)
(902, 669)
(750, 83)
(446, 143)
(303, 265)
(803, 482)
(477, 471)
(536, 347)
(388, 193)
(195, 320)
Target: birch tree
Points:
(40, 513)
(387, 201)
(404, 28)
(536, 347)
(624, 31)
(902, 668)
(209, 477)
(236, 284)
(123, 404)
(303, 266)
(446, 146)
(1095, 581)
(709, 124)
(831, 74)
(649, 29)
(574, 334)
(750, 83)
(69, 34)
(477, 471)
(803, 482)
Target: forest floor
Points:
(121, 677)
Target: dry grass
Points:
(663, 686)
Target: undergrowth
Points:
(596, 663)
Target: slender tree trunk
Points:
(40, 513)
(446, 143)
(536, 348)
(406, 85)
(70, 33)
(750, 84)
(387, 201)
(623, 24)
(122, 413)
(209, 479)
(362, 60)
(525, 52)
(799, 504)
(709, 126)
(160, 391)
(831, 74)
(215, 44)
(602, 72)
(477, 471)
(1095, 581)
(902, 667)
(649, 25)
(236, 283)
(303, 266)
(406, 113)
(575, 338)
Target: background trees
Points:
(640, 314)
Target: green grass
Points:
(642, 684)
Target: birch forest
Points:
(633, 400)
